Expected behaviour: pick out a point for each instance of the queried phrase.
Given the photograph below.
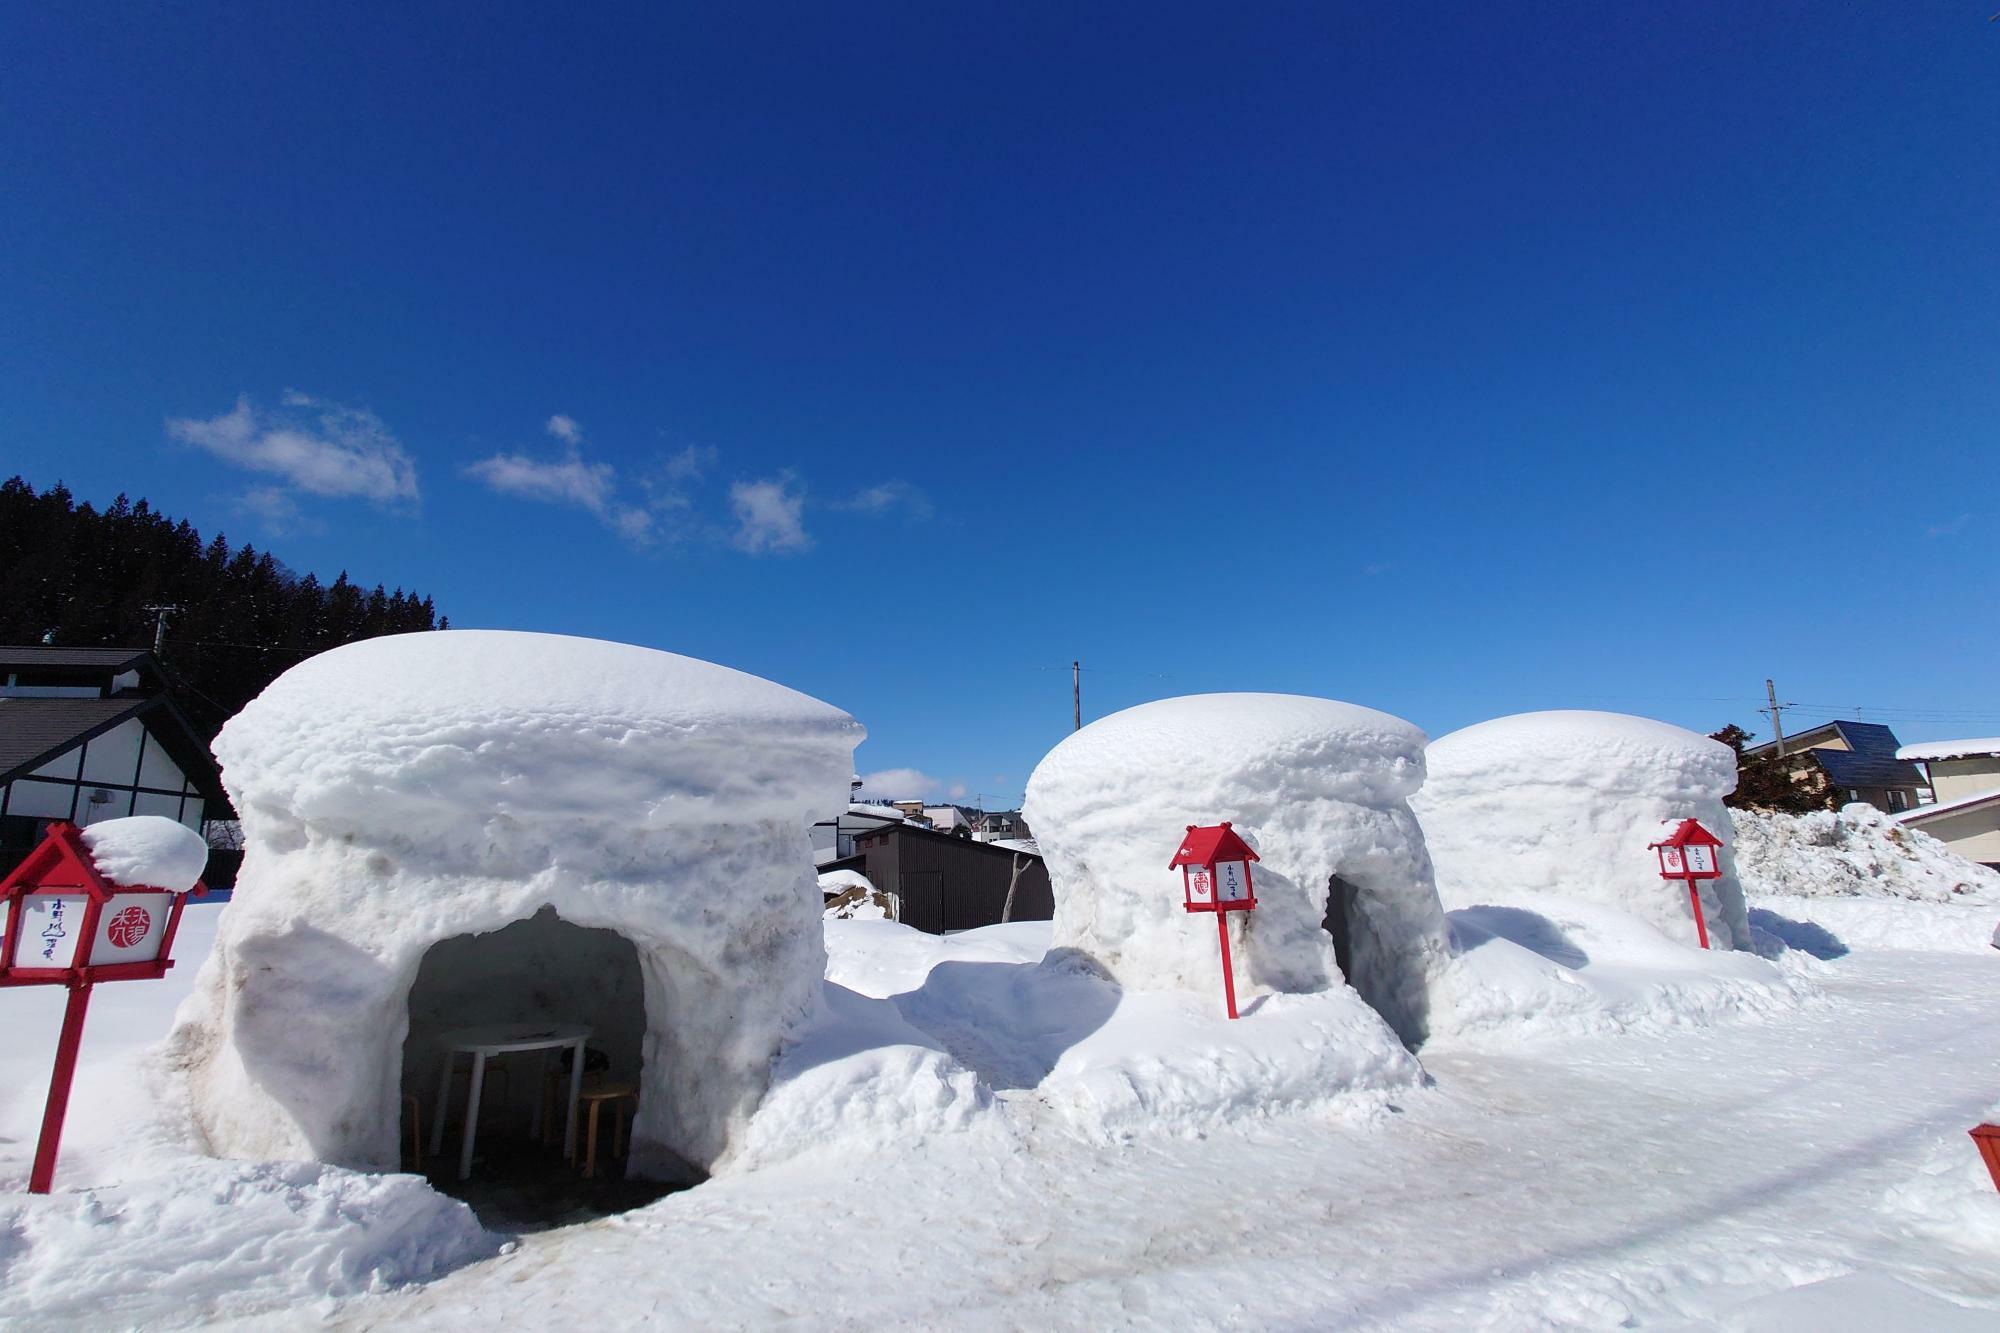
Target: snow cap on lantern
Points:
(1569, 802)
(406, 790)
(1318, 788)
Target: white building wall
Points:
(1954, 778)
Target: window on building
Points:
(1898, 799)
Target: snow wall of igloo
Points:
(407, 790)
(1318, 789)
(1565, 802)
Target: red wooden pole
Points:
(1700, 926)
(1228, 976)
(52, 1117)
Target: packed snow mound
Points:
(1859, 852)
(1612, 753)
(516, 800)
(503, 726)
(1949, 1197)
(211, 1239)
(1566, 803)
(1318, 788)
(1107, 1064)
(147, 851)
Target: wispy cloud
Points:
(886, 496)
(769, 516)
(568, 480)
(1951, 528)
(313, 447)
(898, 784)
(691, 463)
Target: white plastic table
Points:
(505, 1039)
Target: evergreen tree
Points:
(70, 575)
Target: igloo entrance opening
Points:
(1339, 922)
(540, 972)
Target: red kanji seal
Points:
(128, 927)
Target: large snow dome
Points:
(1318, 788)
(1566, 802)
(479, 794)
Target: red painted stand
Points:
(44, 1172)
(1988, 1139)
(1690, 854)
(1214, 862)
(1694, 901)
(1228, 973)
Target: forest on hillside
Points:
(79, 577)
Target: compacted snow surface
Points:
(1806, 1168)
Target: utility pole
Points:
(1776, 711)
(1076, 694)
(160, 614)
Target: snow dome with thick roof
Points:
(467, 827)
(1566, 802)
(1318, 788)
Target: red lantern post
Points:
(1690, 853)
(1215, 877)
(68, 925)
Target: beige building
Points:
(1965, 782)
(1857, 760)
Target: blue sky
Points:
(1454, 360)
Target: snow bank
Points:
(1859, 852)
(1110, 1064)
(405, 791)
(211, 1238)
(1318, 788)
(1950, 1197)
(147, 851)
(1566, 802)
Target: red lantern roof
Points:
(59, 861)
(1206, 844)
(1688, 832)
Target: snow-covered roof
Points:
(147, 851)
(1924, 813)
(1964, 749)
(484, 725)
(1583, 749)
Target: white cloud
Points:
(898, 784)
(569, 480)
(690, 463)
(564, 429)
(768, 515)
(888, 495)
(316, 448)
(1948, 529)
(957, 791)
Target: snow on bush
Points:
(850, 896)
(1318, 788)
(407, 790)
(1565, 803)
(147, 851)
(1859, 852)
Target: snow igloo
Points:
(1566, 802)
(1319, 789)
(482, 826)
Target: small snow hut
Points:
(535, 826)
(1567, 802)
(1320, 789)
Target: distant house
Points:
(945, 883)
(952, 819)
(833, 839)
(1001, 825)
(1857, 760)
(1965, 786)
(88, 734)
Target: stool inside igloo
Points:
(532, 983)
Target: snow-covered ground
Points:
(1749, 1167)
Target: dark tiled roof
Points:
(1870, 762)
(18, 655)
(33, 728)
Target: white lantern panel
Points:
(1670, 861)
(1200, 885)
(1232, 881)
(1701, 859)
(51, 925)
(131, 928)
